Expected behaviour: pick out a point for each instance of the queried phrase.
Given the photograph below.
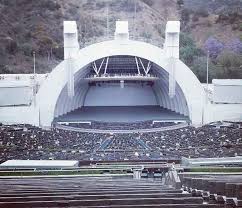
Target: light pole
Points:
(207, 67)
(34, 87)
(107, 21)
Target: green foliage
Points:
(240, 27)
(100, 5)
(58, 52)
(202, 12)
(27, 49)
(199, 67)
(180, 2)
(188, 49)
(185, 15)
(4, 69)
(230, 64)
(148, 2)
(214, 169)
(11, 46)
(195, 18)
(49, 4)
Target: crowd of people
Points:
(28, 142)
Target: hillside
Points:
(29, 25)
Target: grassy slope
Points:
(28, 25)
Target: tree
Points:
(235, 46)
(214, 46)
(188, 49)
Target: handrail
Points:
(118, 131)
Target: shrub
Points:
(202, 13)
(4, 69)
(49, 4)
(235, 27)
(27, 49)
(11, 46)
(230, 64)
(235, 46)
(58, 52)
(100, 5)
(148, 2)
(188, 49)
(180, 2)
(185, 15)
(240, 26)
(195, 18)
(199, 67)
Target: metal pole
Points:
(34, 88)
(34, 61)
(135, 8)
(207, 67)
(107, 21)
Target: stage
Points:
(121, 114)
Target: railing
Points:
(120, 75)
(117, 131)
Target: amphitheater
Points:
(119, 80)
(120, 123)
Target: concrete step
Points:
(91, 197)
(88, 192)
(104, 202)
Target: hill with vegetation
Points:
(208, 25)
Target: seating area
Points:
(28, 142)
(221, 188)
(94, 192)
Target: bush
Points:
(180, 2)
(185, 15)
(235, 27)
(4, 69)
(202, 13)
(240, 26)
(195, 18)
(148, 2)
(58, 52)
(49, 4)
(27, 49)
(214, 46)
(199, 67)
(100, 5)
(231, 64)
(11, 46)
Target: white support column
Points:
(122, 30)
(106, 66)
(70, 83)
(137, 64)
(94, 66)
(147, 68)
(171, 47)
(99, 69)
(71, 48)
(142, 64)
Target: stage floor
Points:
(121, 114)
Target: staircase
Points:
(103, 191)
